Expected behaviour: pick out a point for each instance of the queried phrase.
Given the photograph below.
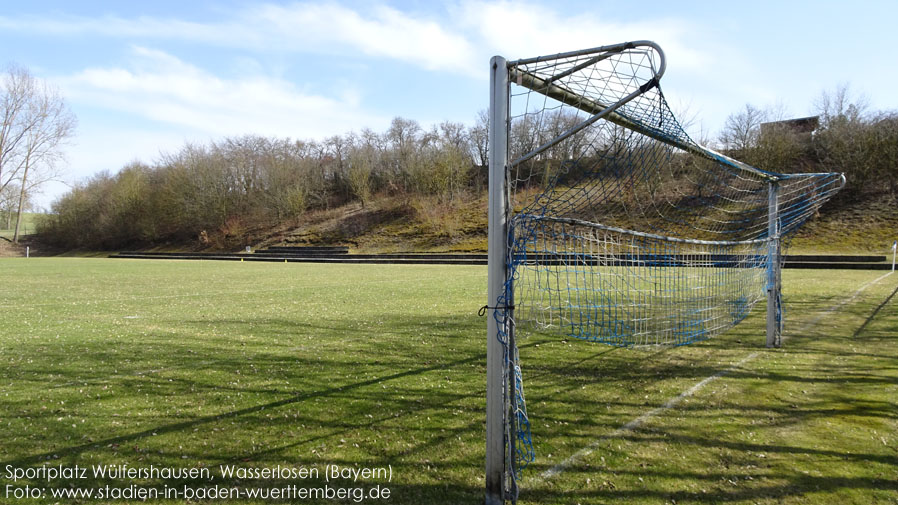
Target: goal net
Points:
(619, 228)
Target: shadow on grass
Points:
(335, 391)
(872, 316)
(420, 384)
(719, 488)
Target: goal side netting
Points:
(619, 227)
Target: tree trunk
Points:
(15, 236)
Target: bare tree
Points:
(742, 130)
(480, 138)
(841, 105)
(362, 159)
(884, 150)
(8, 198)
(843, 143)
(36, 124)
(18, 88)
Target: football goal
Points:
(609, 224)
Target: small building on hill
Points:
(801, 125)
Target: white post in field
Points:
(894, 249)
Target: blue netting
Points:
(622, 229)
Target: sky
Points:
(146, 77)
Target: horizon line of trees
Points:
(214, 193)
(218, 191)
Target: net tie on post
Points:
(482, 311)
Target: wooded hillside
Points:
(228, 193)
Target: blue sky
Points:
(146, 77)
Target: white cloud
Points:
(323, 28)
(163, 88)
(158, 103)
(381, 32)
(459, 40)
(163, 99)
(232, 33)
(523, 29)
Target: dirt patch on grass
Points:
(10, 250)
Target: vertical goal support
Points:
(497, 271)
(774, 277)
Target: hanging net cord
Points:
(622, 229)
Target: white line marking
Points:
(636, 423)
(826, 312)
(673, 402)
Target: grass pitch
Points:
(202, 364)
(28, 226)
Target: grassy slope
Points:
(419, 224)
(860, 227)
(201, 364)
(391, 225)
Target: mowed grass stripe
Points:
(192, 276)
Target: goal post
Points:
(496, 271)
(774, 265)
(608, 223)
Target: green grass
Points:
(29, 224)
(199, 364)
(864, 226)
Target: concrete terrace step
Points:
(305, 250)
(839, 265)
(833, 258)
(340, 255)
(361, 258)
